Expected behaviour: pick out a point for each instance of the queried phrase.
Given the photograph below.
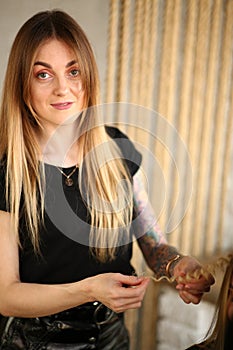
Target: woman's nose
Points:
(61, 86)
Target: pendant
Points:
(69, 182)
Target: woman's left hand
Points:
(191, 289)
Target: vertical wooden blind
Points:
(175, 57)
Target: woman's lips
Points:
(62, 106)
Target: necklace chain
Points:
(68, 181)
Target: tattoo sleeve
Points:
(152, 242)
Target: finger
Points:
(140, 286)
(192, 290)
(130, 280)
(202, 280)
(122, 304)
(133, 292)
(191, 298)
(133, 304)
(197, 285)
(126, 307)
(184, 298)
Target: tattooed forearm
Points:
(156, 256)
(150, 238)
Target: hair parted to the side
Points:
(20, 149)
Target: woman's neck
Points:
(61, 147)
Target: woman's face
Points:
(55, 87)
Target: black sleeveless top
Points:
(65, 255)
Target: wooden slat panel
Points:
(188, 126)
(189, 30)
(198, 120)
(177, 58)
(111, 80)
(173, 107)
(136, 54)
(222, 134)
(124, 52)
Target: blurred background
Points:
(169, 64)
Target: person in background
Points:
(71, 202)
(220, 334)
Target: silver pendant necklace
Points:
(68, 181)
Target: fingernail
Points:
(180, 287)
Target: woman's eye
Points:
(75, 72)
(43, 75)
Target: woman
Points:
(220, 334)
(67, 272)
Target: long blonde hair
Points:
(20, 149)
(218, 330)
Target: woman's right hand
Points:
(19, 299)
(118, 292)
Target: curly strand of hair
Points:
(220, 264)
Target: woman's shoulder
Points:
(131, 155)
(126, 145)
(115, 133)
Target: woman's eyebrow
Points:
(71, 63)
(41, 63)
